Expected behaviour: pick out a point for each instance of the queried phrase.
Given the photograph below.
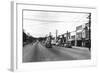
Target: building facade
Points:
(83, 35)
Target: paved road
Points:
(37, 52)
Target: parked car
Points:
(68, 45)
(53, 42)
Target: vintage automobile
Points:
(68, 45)
(48, 42)
(53, 42)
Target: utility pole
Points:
(89, 31)
(67, 37)
(56, 34)
(49, 33)
(50, 37)
(76, 38)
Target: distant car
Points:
(53, 42)
(57, 44)
(48, 44)
(68, 45)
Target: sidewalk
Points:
(77, 47)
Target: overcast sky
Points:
(39, 23)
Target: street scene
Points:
(56, 36)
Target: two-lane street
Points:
(38, 52)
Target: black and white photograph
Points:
(50, 35)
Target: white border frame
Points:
(17, 37)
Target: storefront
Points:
(79, 43)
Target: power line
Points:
(41, 20)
